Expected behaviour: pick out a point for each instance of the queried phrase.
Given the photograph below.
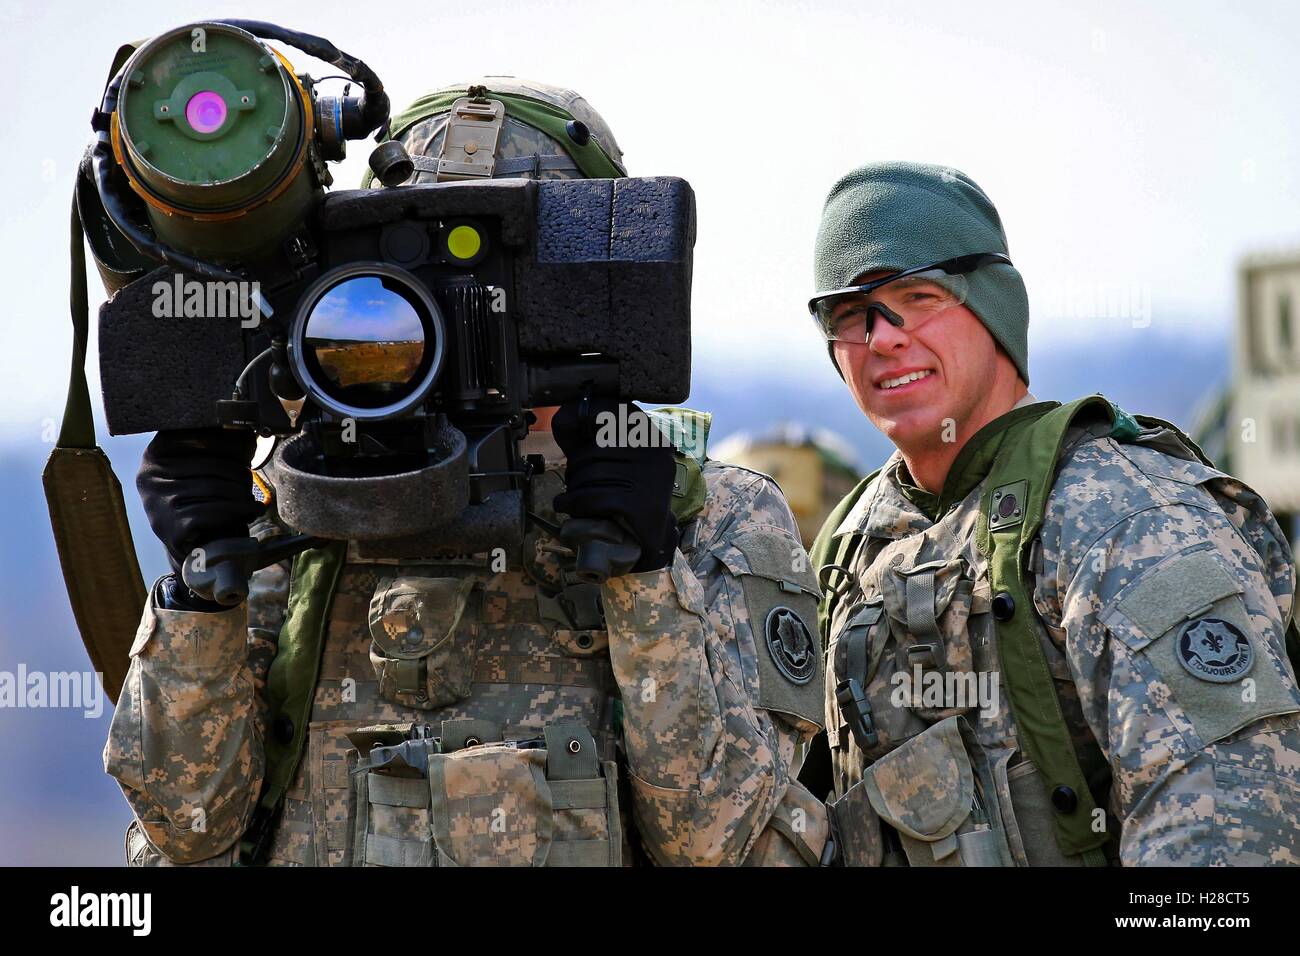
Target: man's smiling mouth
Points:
(890, 383)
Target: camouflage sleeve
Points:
(710, 757)
(1173, 637)
(185, 742)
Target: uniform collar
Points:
(883, 511)
(893, 507)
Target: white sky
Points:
(1134, 150)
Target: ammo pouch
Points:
(930, 607)
(926, 799)
(909, 654)
(544, 802)
(424, 635)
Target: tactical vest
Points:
(450, 710)
(952, 603)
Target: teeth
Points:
(903, 379)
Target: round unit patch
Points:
(790, 645)
(1215, 650)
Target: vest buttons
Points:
(1004, 606)
(282, 729)
(1064, 799)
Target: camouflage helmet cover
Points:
(518, 139)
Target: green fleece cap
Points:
(894, 216)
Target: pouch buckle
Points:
(411, 754)
(856, 710)
(576, 606)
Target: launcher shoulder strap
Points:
(88, 512)
(1011, 515)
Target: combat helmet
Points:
(501, 127)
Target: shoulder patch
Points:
(1215, 650)
(791, 645)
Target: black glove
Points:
(196, 488)
(631, 486)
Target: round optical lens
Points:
(368, 342)
(206, 111)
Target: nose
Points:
(885, 333)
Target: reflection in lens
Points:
(367, 340)
(205, 112)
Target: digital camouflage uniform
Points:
(681, 690)
(684, 709)
(1141, 550)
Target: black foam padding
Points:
(372, 507)
(573, 220)
(496, 523)
(162, 373)
(510, 200)
(612, 275)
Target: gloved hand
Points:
(631, 486)
(196, 488)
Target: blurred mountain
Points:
(56, 803)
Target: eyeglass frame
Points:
(957, 265)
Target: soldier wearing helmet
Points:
(487, 708)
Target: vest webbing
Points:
(590, 158)
(291, 683)
(1030, 453)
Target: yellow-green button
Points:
(464, 242)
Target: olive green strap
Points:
(87, 510)
(589, 157)
(291, 685)
(1025, 472)
(78, 427)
